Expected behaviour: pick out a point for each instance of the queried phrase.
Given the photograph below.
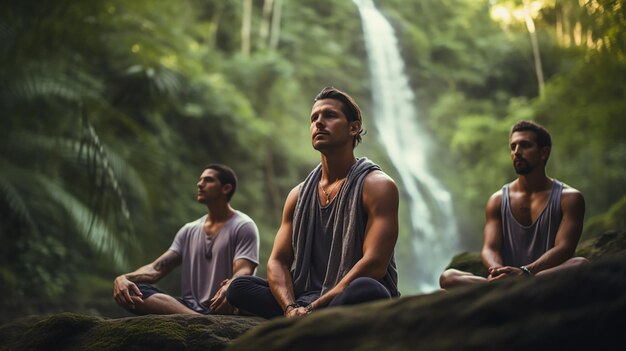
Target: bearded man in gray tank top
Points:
(533, 224)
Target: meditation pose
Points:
(534, 223)
(335, 245)
(219, 246)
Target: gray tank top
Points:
(522, 245)
(321, 244)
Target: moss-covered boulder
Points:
(69, 331)
(577, 309)
(608, 244)
(469, 262)
(580, 309)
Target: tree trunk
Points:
(559, 27)
(264, 30)
(530, 25)
(275, 34)
(215, 26)
(245, 27)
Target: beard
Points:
(522, 167)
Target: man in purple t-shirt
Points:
(219, 246)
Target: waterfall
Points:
(434, 235)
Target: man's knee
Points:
(366, 283)
(577, 261)
(453, 277)
(448, 277)
(237, 290)
(148, 290)
(571, 263)
(252, 295)
(364, 289)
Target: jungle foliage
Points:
(110, 109)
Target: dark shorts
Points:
(148, 290)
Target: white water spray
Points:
(435, 238)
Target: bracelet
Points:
(292, 305)
(309, 308)
(526, 271)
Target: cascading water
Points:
(435, 238)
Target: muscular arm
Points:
(125, 284)
(491, 252)
(281, 258)
(380, 201)
(568, 234)
(243, 266)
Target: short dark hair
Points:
(542, 135)
(225, 175)
(349, 108)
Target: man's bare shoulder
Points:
(295, 190)
(381, 198)
(570, 190)
(378, 186)
(290, 202)
(495, 197)
(571, 197)
(379, 178)
(494, 202)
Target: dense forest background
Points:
(110, 110)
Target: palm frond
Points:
(80, 152)
(14, 199)
(91, 227)
(164, 81)
(87, 213)
(93, 150)
(50, 79)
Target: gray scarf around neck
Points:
(348, 229)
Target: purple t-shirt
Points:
(201, 277)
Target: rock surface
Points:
(69, 331)
(579, 309)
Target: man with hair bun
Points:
(335, 245)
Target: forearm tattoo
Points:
(165, 264)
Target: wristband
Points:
(526, 271)
(292, 305)
(309, 308)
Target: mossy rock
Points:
(577, 309)
(469, 262)
(611, 243)
(69, 331)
